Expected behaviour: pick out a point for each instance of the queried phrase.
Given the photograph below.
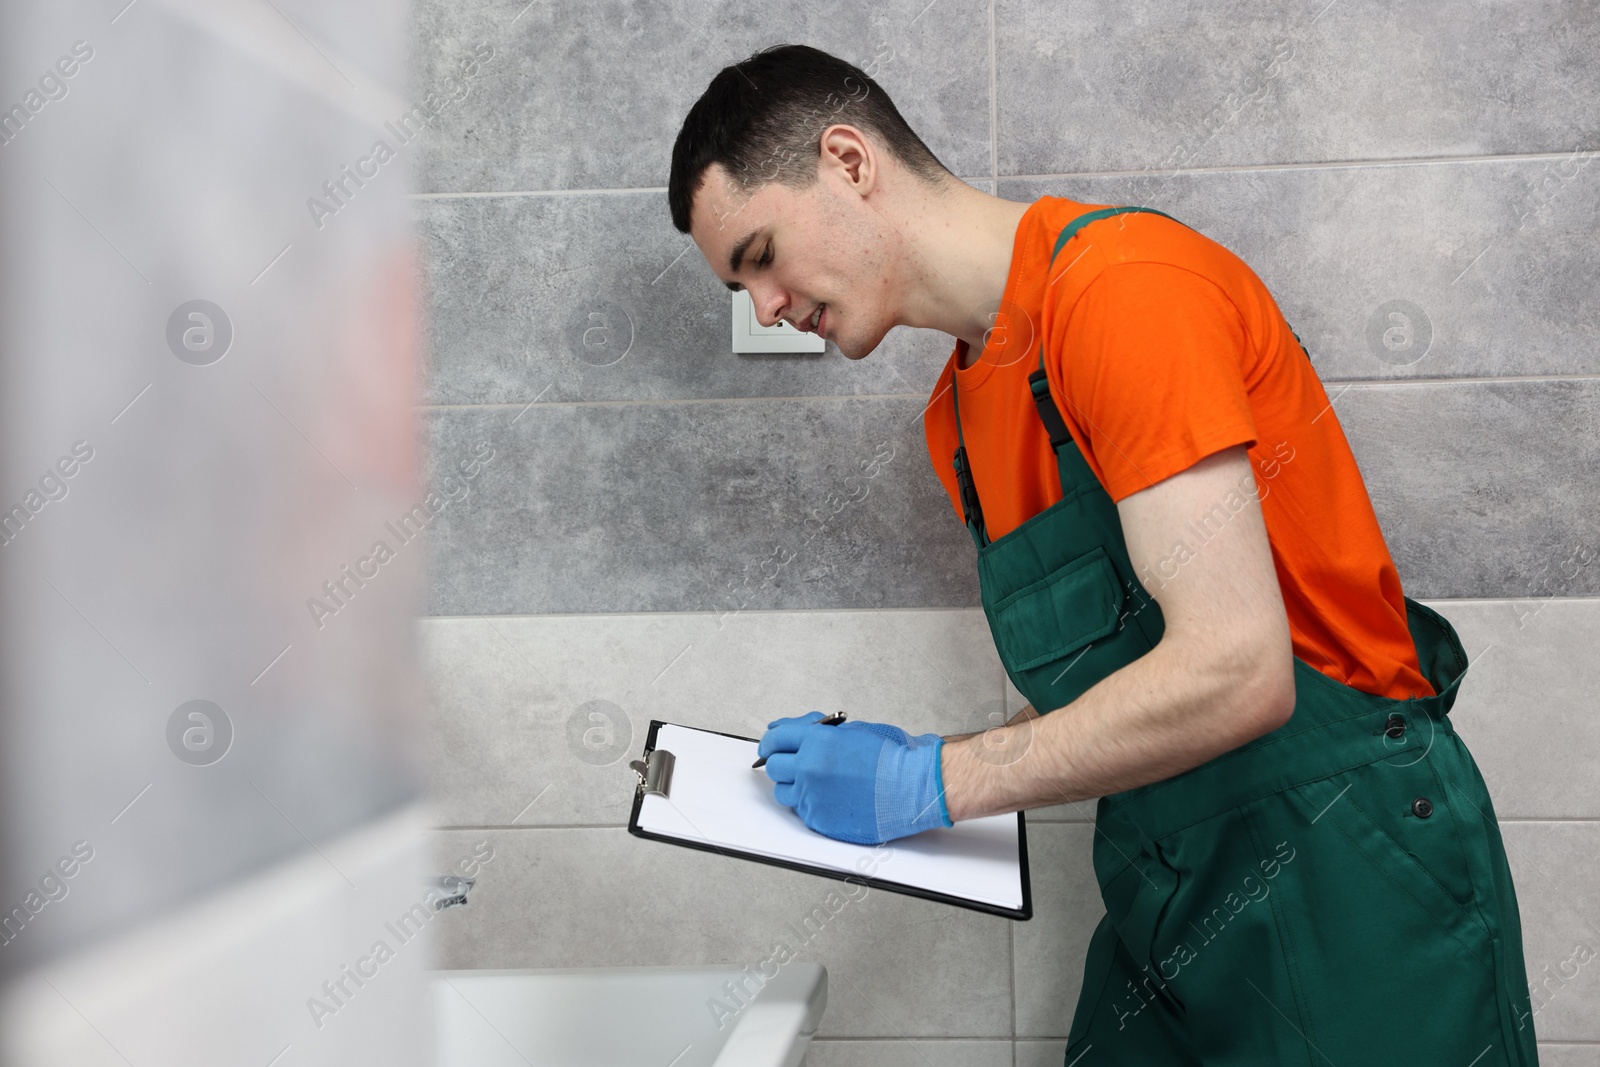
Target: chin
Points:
(857, 354)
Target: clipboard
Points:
(696, 789)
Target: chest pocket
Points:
(1060, 601)
(1049, 619)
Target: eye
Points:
(766, 257)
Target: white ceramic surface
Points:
(628, 1017)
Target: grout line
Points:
(1049, 821)
(1465, 380)
(1046, 1037)
(995, 176)
(1331, 164)
(473, 616)
(940, 1037)
(623, 191)
(1498, 599)
(1564, 820)
(1352, 383)
(707, 614)
(1063, 1037)
(1011, 967)
(919, 397)
(534, 826)
(994, 110)
(1011, 940)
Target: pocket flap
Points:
(1055, 616)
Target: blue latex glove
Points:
(862, 782)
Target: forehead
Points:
(727, 223)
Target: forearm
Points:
(1164, 713)
(1022, 716)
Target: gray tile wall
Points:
(620, 555)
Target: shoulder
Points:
(1165, 307)
(1130, 252)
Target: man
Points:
(1183, 574)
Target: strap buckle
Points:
(1054, 424)
(970, 510)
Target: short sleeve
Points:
(1151, 363)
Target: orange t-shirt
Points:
(1163, 347)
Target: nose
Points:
(767, 308)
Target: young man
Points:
(1183, 575)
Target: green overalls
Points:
(1334, 892)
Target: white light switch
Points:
(750, 336)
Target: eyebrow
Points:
(736, 256)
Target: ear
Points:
(845, 149)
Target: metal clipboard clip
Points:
(655, 771)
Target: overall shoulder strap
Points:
(1049, 414)
(971, 510)
(1072, 228)
(1074, 468)
(1076, 475)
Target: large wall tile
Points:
(1526, 708)
(537, 718)
(514, 697)
(1049, 949)
(1479, 487)
(1051, 1053)
(1495, 259)
(697, 507)
(1482, 489)
(1554, 867)
(591, 96)
(1150, 85)
(1569, 1055)
(598, 297)
(897, 965)
(908, 1052)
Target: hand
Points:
(862, 782)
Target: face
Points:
(798, 250)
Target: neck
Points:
(961, 242)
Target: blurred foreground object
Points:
(211, 843)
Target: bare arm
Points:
(1022, 716)
(1222, 674)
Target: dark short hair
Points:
(762, 120)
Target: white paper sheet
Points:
(715, 797)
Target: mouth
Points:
(815, 325)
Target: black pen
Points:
(829, 720)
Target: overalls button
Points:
(1422, 807)
(1395, 727)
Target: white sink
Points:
(628, 1016)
